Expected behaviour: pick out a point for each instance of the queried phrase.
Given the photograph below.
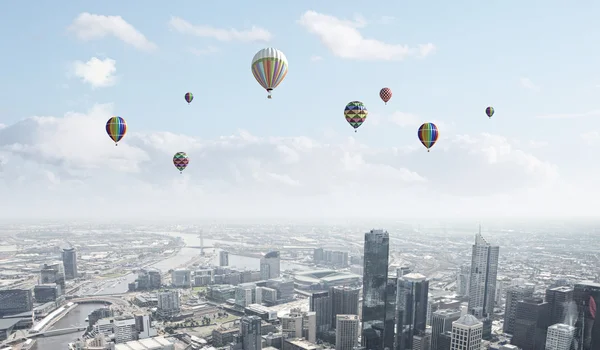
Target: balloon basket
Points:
(355, 130)
(181, 172)
(428, 150)
(116, 144)
(269, 97)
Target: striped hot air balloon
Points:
(269, 67)
(116, 128)
(428, 135)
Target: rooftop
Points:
(468, 320)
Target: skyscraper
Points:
(514, 294)
(441, 322)
(462, 280)
(375, 277)
(560, 337)
(344, 301)
(560, 299)
(413, 291)
(482, 281)
(320, 303)
(250, 333)
(69, 258)
(223, 258)
(467, 333)
(587, 296)
(269, 265)
(531, 324)
(346, 335)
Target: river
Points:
(74, 318)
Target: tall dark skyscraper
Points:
(560, 300)
(482, 281)
(514, 294)
(251, 333)
(344, 301)
(413, 291)
(69, 258)
(587, 297)
(390, 313)
(320, 303)
(441, 322)
(531, 324)
(375, 277)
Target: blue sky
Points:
(527, 59)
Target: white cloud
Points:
(591, 137)
(96, 72)
(594, 113)
(254, 34)
(344, 40)
(528, 84)
(204, 52)
(315, 58)
(88, 26)
(68, 166)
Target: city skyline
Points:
(534, 158)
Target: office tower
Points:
(245, 294)
(168, 303)
(421, 341)
(514, 294)
(467, 333)
(482, 281)
(413, 291)
(346, 335)
(560, 337)
(344, 301)
(389, 332)
(181, 278)
(441, 322)
(69, 258)
(250, 333)
(269, 265)
(531, 324)
(44, 293)
(223, 258)
(444, 340)
(375, 277)
(560, 298)
(298, 324)
(320, 304)
(15, 301)
(587, 297)
(462, 280)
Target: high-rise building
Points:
(462, 280)
(69, 258)
(15, 301)
(245, 294)
(560, 299)
(441, 322)
(467, 333)
(270, 265)
(181, 278)
(344, 301)
(444, 341)
(514, 294)
(560, 337)
(320, 304)
(168, 303)
(531, 324)
(421, 341)
(250, 332)
(587, 296)
(223, 258)
(376, 254)
(346, 335)
(413, 291)
(298, 324)
(482, 281)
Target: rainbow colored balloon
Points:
(189, 97)
(116, 128)
(181, 161)
(269, 67)
(490, 112)
(428, 134)
(356, 113)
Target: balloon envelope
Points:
(489, 111)
(269, 67)
(385, 94)
(355, 113)
(189, 97)
(181, 160)
(116, 128)
(428, 135)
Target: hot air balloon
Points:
(355, 113)
(489, 111)
(385, 94)
(181, 161)
(269, 67)
(116, 128)
(189, 97)
(428, 134)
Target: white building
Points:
(270, 265)
(482, 280)
(346, 332)
(245, 294)
(298, 324)
(560, 337)
(467, 333)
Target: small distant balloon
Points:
(269, 67)
(356, 113)
(489, 111)
(189, 97)
(428, 135)
(385, 94)
(181, 161)
(116, 128)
